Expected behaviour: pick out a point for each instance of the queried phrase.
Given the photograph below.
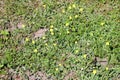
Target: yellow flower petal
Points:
(44, 6)
(73, 6)
(63, 11)
(68, 32)
(46, 44)
(76, 51)
(51, 30)
(70, 17)
(23, 25)
(43, 37)
(94, 71)
(76, 16)
(69, 7)
(107, 43)
(60, 64)
(33, 42)
(54, 44)
(35, 50)
(27, 39)
(56, 69)
(81, 10)
(66, 24)
(102, 23)
(106, 68)
(75, 42)
(52, 33)
(51, 26)
(85, 56)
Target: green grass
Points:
(78, 33)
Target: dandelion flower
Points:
(106, 68)
(81, 10)
(44, 6)
(75, 42)
(43, 37)
(91, 34)
(85, 56)
(102, 23)
(33, 42)
(107, 43)
(23, 25)
(46, 44)
(76, 51)
(70, 17)
(63, 11)
(52, 33)
(66, 24)
(73, 6)
(51, 30)
(51, 26)
(27, 39)
(54, 44)
(60, 64)
(69, 7)
(35, 50)
(68, 32)
(94, 71)
(56, 69)
(76, 16)
(59, 33)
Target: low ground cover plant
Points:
(60, 39)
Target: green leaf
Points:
(4, 32)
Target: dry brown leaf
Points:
(70, 75)
(40, 33)
(32, 77)
(42, 75)
(17, 77)
(20, 25)
(102, 61)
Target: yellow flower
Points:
(56, 69)
(76, 16)
(66, 24)
(63, 11)
(73, 6)
(81, 10)
(69, 7)
(68, 32)
(51, 30)
(35, 50)
(91, 34)
(76, 51)
(77, 60)
(106, 68)
(46, 44)
(51, 26)
(59, 33)
(43, 37)
(75, 42)
(23, 25)
(54, 44)
(33, 42)
(107, 43)
(85, 56)
(94, 71)
(60, 64)
(27, 39)
(70, 17)
(52, 33)
(44, 6)
(102, 23)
